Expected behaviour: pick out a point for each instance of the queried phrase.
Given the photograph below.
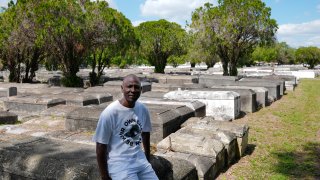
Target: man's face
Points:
(131, 89)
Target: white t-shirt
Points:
(120, 128)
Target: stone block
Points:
(198, 107)
(8, 91)
(206, 167)
(308, 74)
(176, 79)
(219, 104)
(40, 158)
(8, 117)
(261, 93)
(76, 99)
(171, 168)
(228, 139)
(213, 80)
(58, 111)
(263, 80)
(31, 103)
(83, 118)
(167, 119)
(207, 154)
(273, 88)
(247, 98)
(173, 87)
(290, 81)
(209, 124)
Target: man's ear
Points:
(121, 88)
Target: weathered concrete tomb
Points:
(164, 119)
(210, 124)
(31, 103)
(261, 93)
(8, 117)
(8, 91)
(209, 145)
(223, 105)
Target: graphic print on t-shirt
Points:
(130, 132)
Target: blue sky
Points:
(298, 20)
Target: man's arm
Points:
(146, 144)
(101, 151)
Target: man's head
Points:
(131, 89)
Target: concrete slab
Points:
(247, 98)
(273, 88)
(40, 158)
(213, 80)
(261, 93)
(8, 117)
(209, 124)
(83, 118)
(207, 167)
(167, 119)
(198, 107)
(171, 168)
(263, 80)
(173, 87)
(228, 139)
(31, 103)
(222, 105)
(8, 91)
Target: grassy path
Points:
(284, 138)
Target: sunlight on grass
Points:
(285, 136)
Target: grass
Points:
(284, 138)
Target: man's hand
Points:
(146, 144)
(101, 151)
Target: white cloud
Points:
(4, 3)
(178, 10)
(137, 23)
(304, 34)
(111, 3)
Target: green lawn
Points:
(284, 138)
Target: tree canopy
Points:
(308, 55)
(159, 40)
(234, 27)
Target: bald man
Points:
(123, 126)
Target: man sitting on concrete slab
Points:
(121, 129)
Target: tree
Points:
(20, 42)
(234, 27)
(159, 40)
(309, 55)
(109, 34)
(280, 53)
(61, 26)
(285, 53)
(264, 54)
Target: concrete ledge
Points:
(40, 158)
(241, 131)
(8, 117)
(8, 91)
(31, 103)
(222, 105)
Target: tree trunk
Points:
(225, 67)
(233, 69)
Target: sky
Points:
(298, 20)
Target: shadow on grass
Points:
(250, 149)
(301, 165)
